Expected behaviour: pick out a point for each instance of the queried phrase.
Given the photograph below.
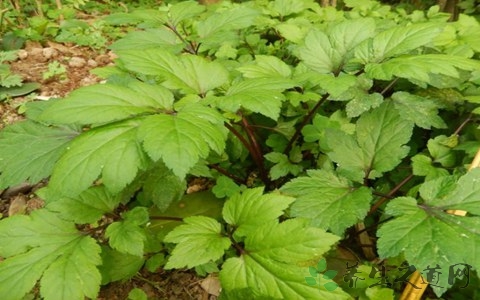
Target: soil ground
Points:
(32, 64)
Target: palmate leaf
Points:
(198, 242)
(396, 41)
(270, 264)
(128, 236)
(250, 209)
(43, 246)
(283, 165)
(181, 140)
(329, 201)
(427, 234)
(189, 73)
(421, 110)
(326, 52)
(88, 207)
(377, 147)
(111, 151)
(29, 150)
(108, 102)
(259, 95)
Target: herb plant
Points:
(312, 122)
(12, 85)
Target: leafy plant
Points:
(11, 85)
(55, 69)
(307, 119)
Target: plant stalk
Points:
(305, 121)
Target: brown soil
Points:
(78, 61)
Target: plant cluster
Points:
(43, 20)
(11, 85)
(313, 123)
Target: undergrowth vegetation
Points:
(322, 130)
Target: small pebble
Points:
(92, 63)
(49, 52)
(102, 59)
(37, 54)
(22, 54)
(77, 62)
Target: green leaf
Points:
(327, 52)
(426, 234)
(116, 102)
(8, 80)
(363, 102)
(162, 187)
(182, 139)
(270, 263)
(5, 56)
(317, 131)
(87, 207)
(377, 147)
(128, 236)
(266, 66)
(44, 247)
(259, 95)
(234, 18)
(110, 150)
(441, 151)
(225, 187)
(465, 196)
(396, 41)
(250, 209)
(287, 7)
(183, 11)
(155, 261)
(118, 266)
(137, 294)
(29, 150)
(283, 166)
(189, 73)
(198, 242)
(16, 91)
(377, 293)
(200, 203)
(422, 166)
(153, 16)
(149, 39)
(304, 243)
(337, 86)
(420, 110)
(329, 201)
(420, 67)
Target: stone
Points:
(77, 62)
